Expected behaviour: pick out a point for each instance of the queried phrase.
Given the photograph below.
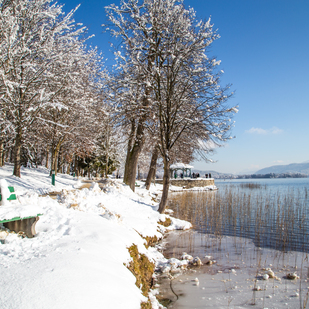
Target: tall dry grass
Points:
(277, 220)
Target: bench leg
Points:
(27, 226)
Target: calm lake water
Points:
(273, 213)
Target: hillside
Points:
(302, 168)
(214, 174)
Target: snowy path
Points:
(77, 258)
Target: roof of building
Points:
(181, 166)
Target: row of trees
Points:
(52, 87)
(164, 100)
(168, 86)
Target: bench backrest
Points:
(12, 196)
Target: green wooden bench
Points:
(18, 224)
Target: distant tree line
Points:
(258, 176)
(273, 175)
(61, 107)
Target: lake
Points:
(247, 227)
(273, 213)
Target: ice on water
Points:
(243, 275)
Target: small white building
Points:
(184, 168)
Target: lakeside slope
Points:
(79, 256)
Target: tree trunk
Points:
(106, 166)
(166, 184)
(1, 153)
(17, 150)
(107, 149)
(131, 166)
(139, 137)
(76, 171)
(130, 145)
(59, 163)
(55, 154)
(47, 157)
(132, 156)
(9, 155)
(152, 168)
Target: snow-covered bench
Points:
(17, 218)
(22, 224)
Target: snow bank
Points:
(35, 180)
(78, 257)
(206, 188)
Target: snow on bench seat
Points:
(9, 212)
(15, 216)
(20, 218)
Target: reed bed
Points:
(277, 220)
(252, 185)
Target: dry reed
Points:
(278, 220)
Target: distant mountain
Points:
(214, 174)
(302, 168)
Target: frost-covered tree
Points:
(72, 116)
(165, 44)
(189, 99)
(133, 89)
(32, 32)
(5, 135)
(108, 142)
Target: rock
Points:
(196, 262)
(265, 277)
(3, 235)
(270, 273)
(292, 276)
(186, 256)
(196, 281)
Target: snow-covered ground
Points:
(78, 257)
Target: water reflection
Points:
(272, 216)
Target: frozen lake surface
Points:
(240, 229)
(235, 279)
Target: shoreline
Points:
(92, 230)
(235, 276)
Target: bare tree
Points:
(189, 98)
(165, 45)
(72, 116)
(31, 33)
(108, 141)
(185, 150)
(134, 91)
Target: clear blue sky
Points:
(264, 49)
